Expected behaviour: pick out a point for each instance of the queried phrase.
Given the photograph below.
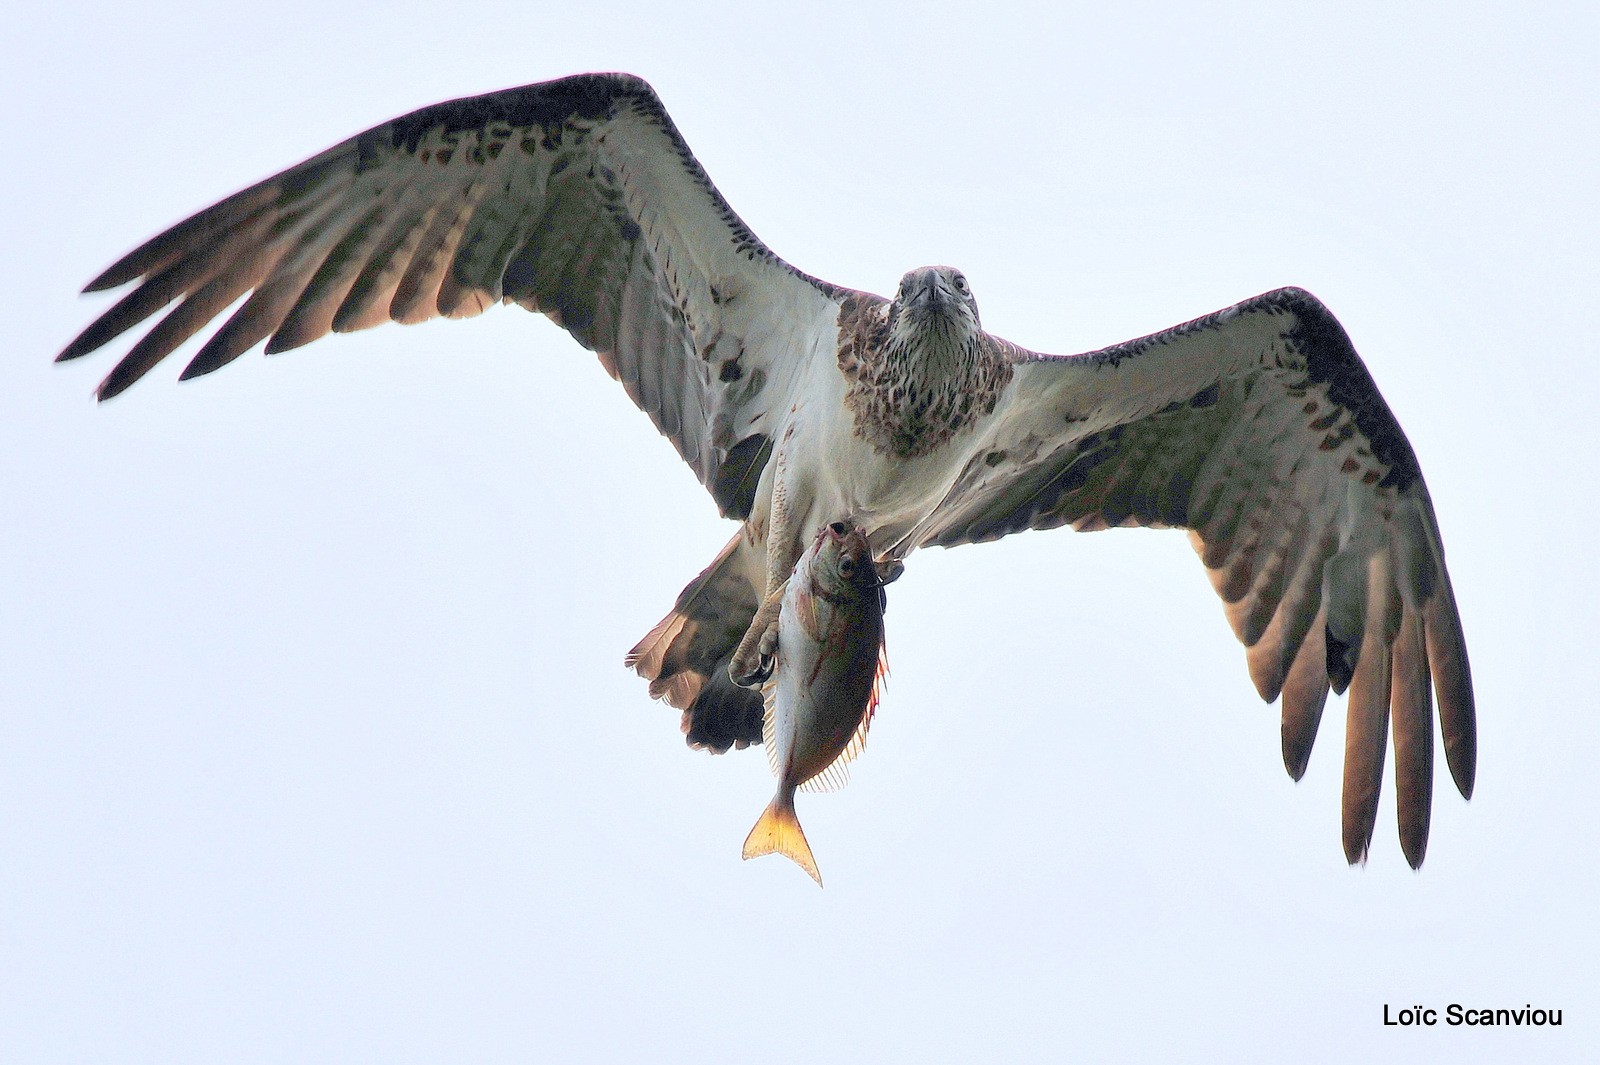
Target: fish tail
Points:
(779, 831)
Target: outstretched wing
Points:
(577, 198)
(1258, 429)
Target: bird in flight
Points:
(798, 403)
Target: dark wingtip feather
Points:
(259, 317)
(199, 367)
(1452, 681)
(1463, 767)
(1268, 665)
(150, 257)
(126, 313)
(1296, 757)
(292, 336)
(1366, 736)
(121, 377)
(1305, 693)
(185, 238)
(79, 347)
(1411, 716)
(115, 277)
(188, 318)
(145, 259)
(1341, 661)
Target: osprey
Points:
(798, 402)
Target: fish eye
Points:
(847, 566)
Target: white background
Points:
(315, 744)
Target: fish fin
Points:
(778, 830)
(837, 774)
(769, 722)
(834, 777)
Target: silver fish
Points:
(824, 683)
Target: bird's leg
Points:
(752, 663)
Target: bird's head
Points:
(935, 299)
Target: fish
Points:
(825, 679)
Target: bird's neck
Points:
(932, 354)
(917, 390)
(931, 359)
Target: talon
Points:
(753, 678)
(754, 659)
(889, 570)
(748, 674)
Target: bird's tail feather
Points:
(685, 657)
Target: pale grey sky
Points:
(315, 743)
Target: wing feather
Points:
(576, 198)
(170, 278)
(187, 239)
(1296, 614)
(311, 315)
(1452, 686)
(369, 299)
(1258, 429)
(1412, 704)
(1367, 714)
(252, 323)
(416, 297)
(1305, 693)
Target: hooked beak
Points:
(930, 291)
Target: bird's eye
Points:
(961, 283)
